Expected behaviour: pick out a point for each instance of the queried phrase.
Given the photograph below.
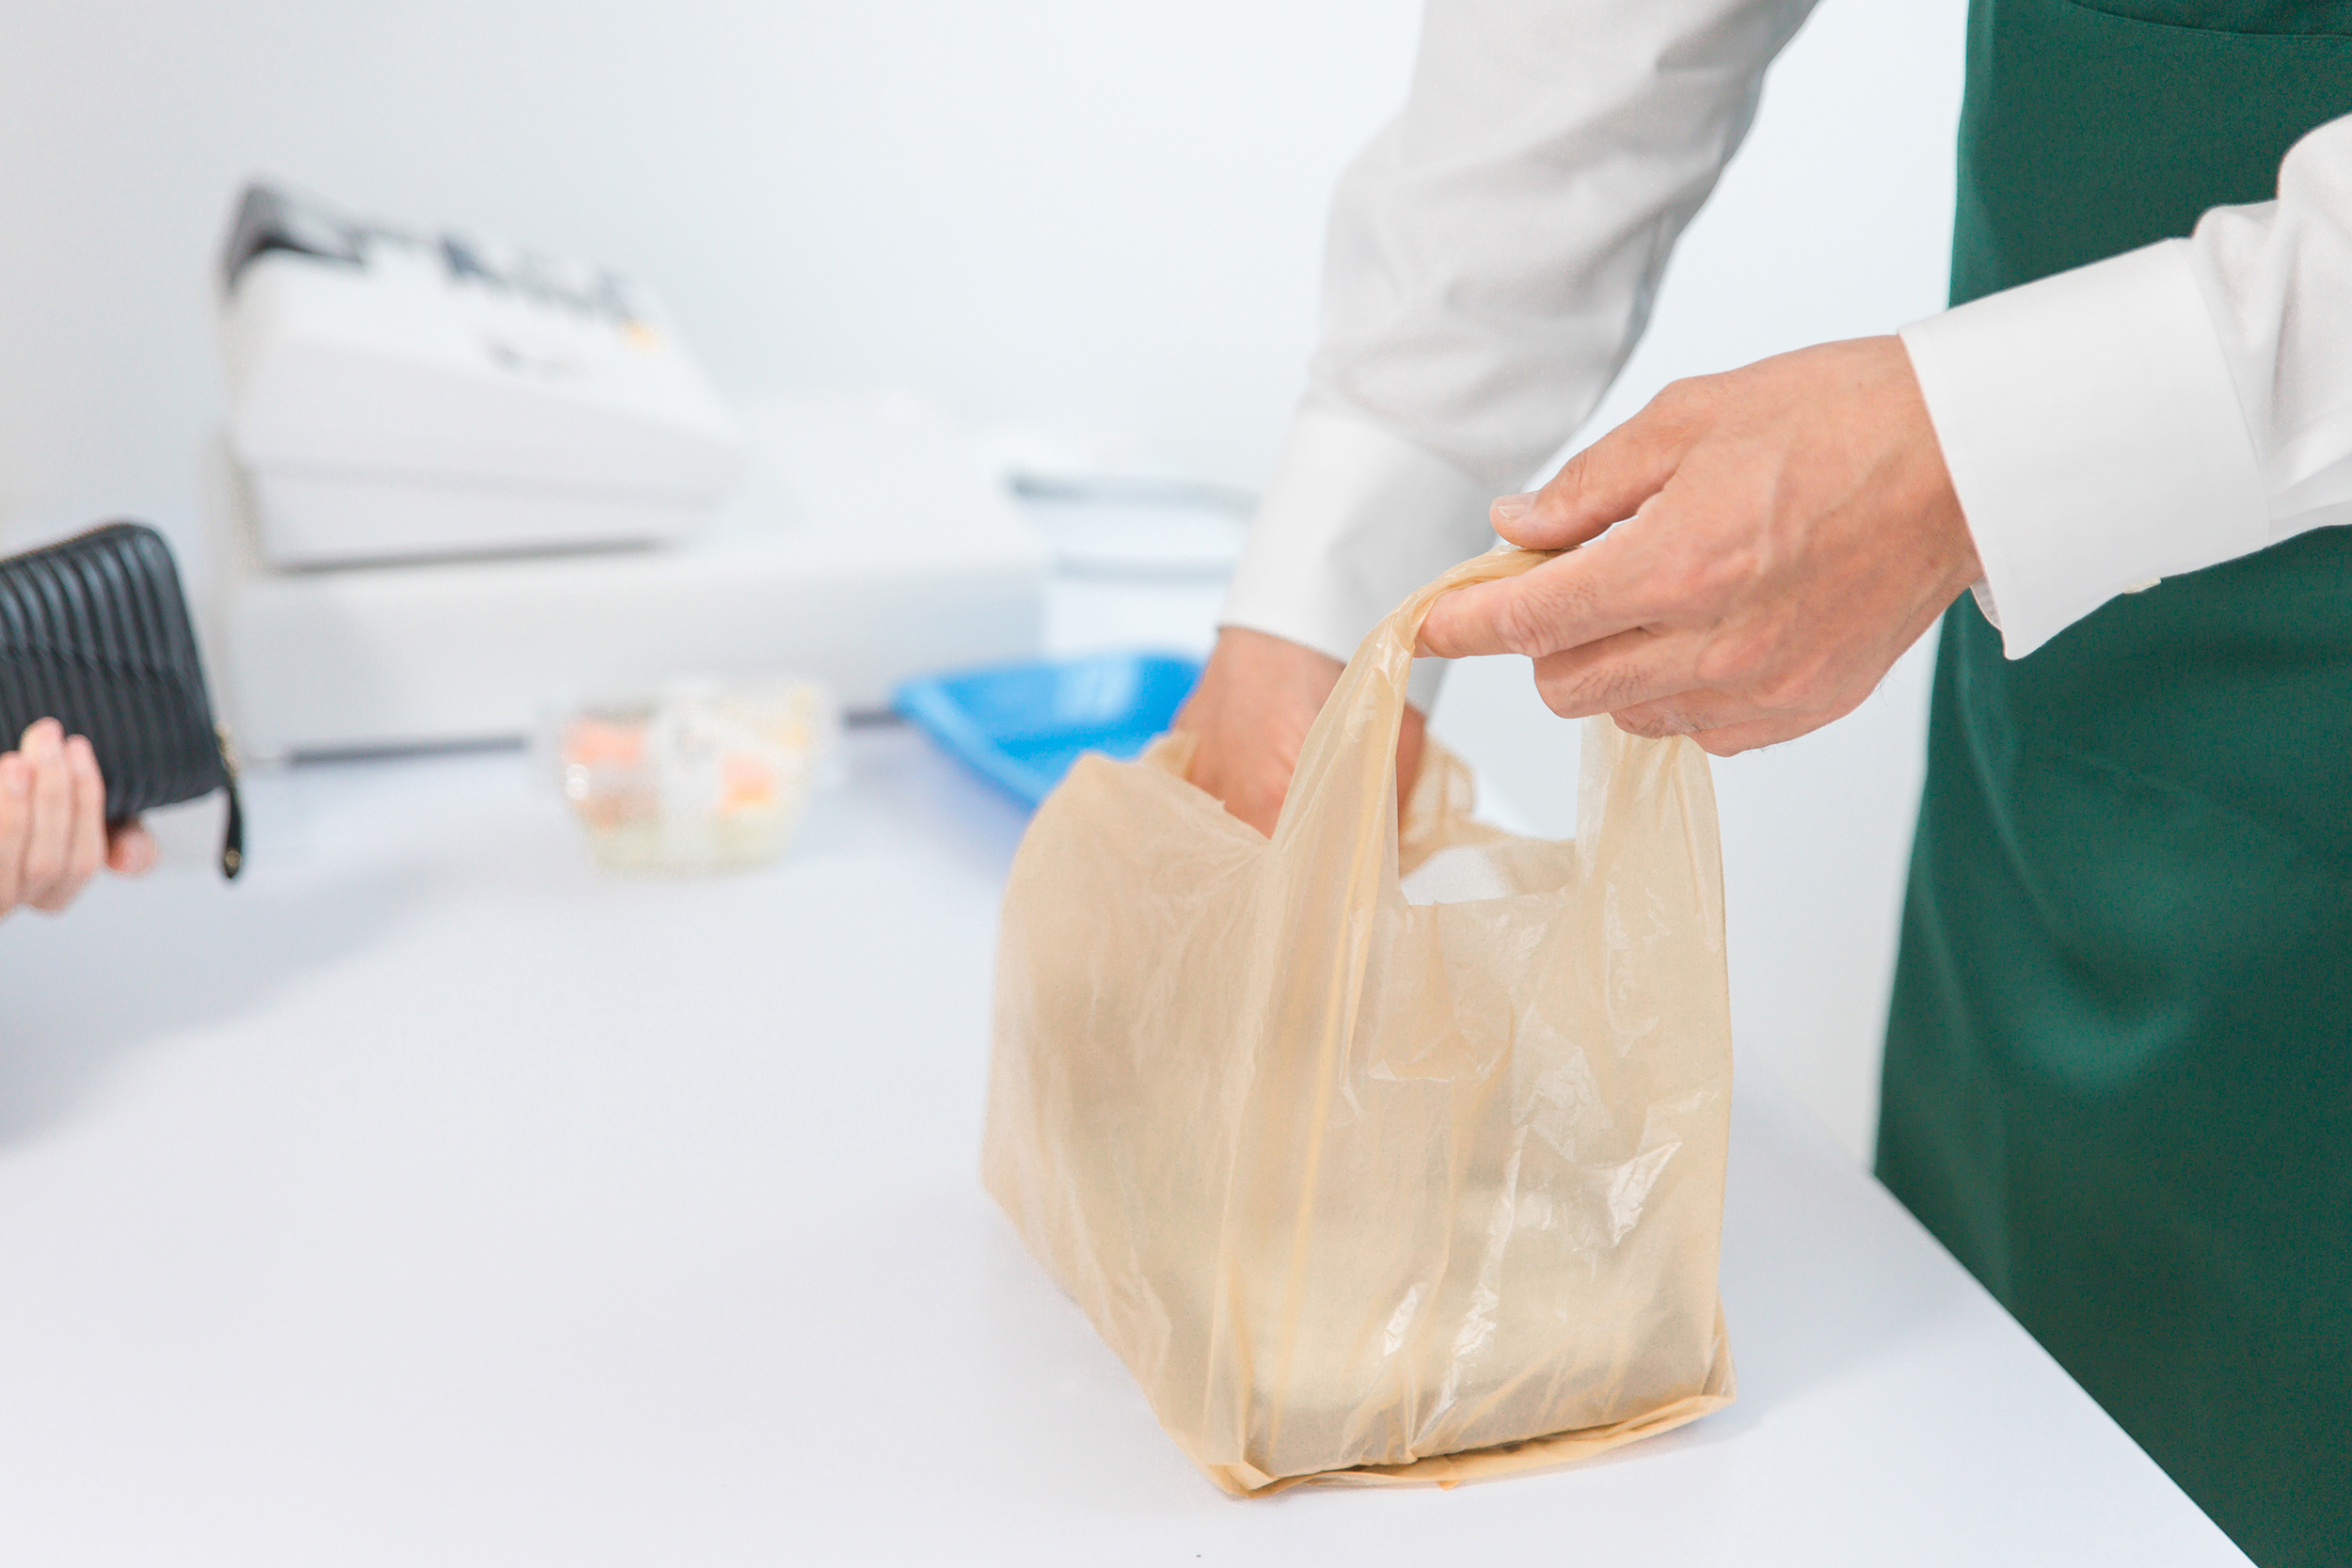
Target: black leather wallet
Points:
(94, 633)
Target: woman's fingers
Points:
(16, 818)
(85, 828)
(131, 849)
(49, 833)
(68, 826)
(52, 820)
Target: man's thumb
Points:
(1603, 484)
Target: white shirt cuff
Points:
(1354, 519)
(2094, 437)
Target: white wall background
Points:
(1099, 219)
(1101, 216)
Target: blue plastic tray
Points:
(1021, 726)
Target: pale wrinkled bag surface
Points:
(1415, 1192)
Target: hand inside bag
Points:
(1250, 714)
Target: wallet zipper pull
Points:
(232, 836)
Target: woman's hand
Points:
(53, 822)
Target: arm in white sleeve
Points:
(1490, 261)
(2161, 411)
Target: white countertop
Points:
(429, 1197)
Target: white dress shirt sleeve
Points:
(2161, 411)
(1490, 260)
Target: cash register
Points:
(458, 478)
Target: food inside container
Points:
(706, 776)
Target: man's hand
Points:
(1790, 530)
(1250, 714)
(53, 822)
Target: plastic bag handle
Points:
(1496, 564)
(1368, 705)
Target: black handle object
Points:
(94, 633)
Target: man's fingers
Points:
(1608, 480)
(50, 830)
(1721, 723)
(1732, 740)
(1250, 714)
(1692, 712)
(1630, 669)
(1567, 601)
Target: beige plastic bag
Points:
(1410, 1191)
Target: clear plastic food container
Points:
(705, 776)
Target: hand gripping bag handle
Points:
(1226, 1067)
(1339, 818)
(1347, 765)
(1645, 814)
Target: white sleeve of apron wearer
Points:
(2161, 411)
(1490, 259)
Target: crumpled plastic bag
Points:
(1361, 1188)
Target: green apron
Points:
(2118, 1064)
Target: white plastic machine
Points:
(459, 481)
(394, 395)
